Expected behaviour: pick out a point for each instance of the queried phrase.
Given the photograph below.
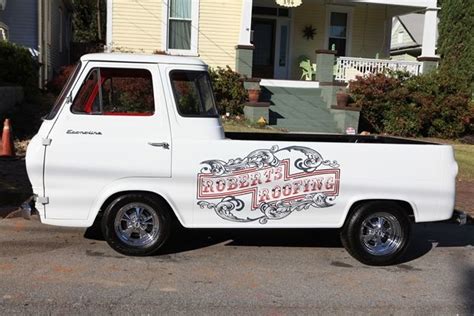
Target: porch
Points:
(306, 54)
(275, 39)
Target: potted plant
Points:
(253, 89)
(254, 95)
(342, 98)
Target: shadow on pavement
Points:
(424, 238)
(467, 290)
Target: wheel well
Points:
(403, 204)
(154, 195)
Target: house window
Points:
(182, 26)
(338, 32)
(400, 37)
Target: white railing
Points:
(347, 68)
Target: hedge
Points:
(17, 67)
(429, 105)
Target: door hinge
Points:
(47, 141)
(42, 199)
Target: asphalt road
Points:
(51, 270)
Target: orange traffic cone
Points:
(8, 149)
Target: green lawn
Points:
(465, 158)
(247, 127)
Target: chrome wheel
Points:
(137, 224)
(381, 234)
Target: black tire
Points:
(362, 233)
(155, 231)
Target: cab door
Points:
(114, 126)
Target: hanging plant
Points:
(308, 32)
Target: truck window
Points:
(64, 92)
(193, 93)
(113, 91)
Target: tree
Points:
(456, 42)
(89, 21)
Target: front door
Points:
(264, 52)
(282, 48)
(114, 127)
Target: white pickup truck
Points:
(137, 140)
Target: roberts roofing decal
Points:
(266, 182)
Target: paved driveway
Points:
(45, 269)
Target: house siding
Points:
(21, 17)
(369, 31)
(306, 14)
(219, 30)
(137, 25)
(406, 39)
(138, 28)
(59, 58)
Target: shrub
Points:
(426, 105)
(371, 93)
(17, 67)
(229, 90)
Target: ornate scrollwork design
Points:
(262, 158)
(308, 160)
(259, 159)
(271, 211)
(225, 208)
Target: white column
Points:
(245, 23)
(430, 30)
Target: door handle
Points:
(164, 145)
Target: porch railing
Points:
(347, 68)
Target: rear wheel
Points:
(377, 233)
(136, 224)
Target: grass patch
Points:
(245, 126)
(465, 158)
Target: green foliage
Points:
(85, 20)
(17, 67)
(456, 42)
(375, 94)
(26, 116)
(59, 80)
(229, 90)
(425, 105)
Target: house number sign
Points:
(289, 3)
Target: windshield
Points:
(64, 93)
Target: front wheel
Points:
(136, 224)
(377, 233)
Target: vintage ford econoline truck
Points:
(137, 140)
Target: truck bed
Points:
(327, 138)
